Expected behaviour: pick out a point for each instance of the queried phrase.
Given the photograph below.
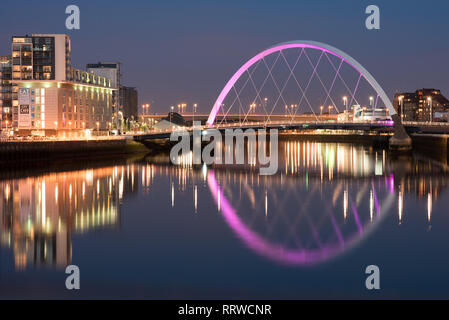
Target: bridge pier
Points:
(400, 141)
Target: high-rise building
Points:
(128, 100)
(48, 94)
(5, 91)
(420, 105)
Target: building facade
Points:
(129, 105)
(421, 105)
(110, 70)
(50, 96)
(5, 92)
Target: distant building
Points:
(48, 94)
(176, 118)
(110, 70)
(419, 105)
(5, 91)
(128, 102)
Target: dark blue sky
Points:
(175, 51)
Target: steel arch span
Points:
(325, 48)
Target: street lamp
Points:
(171, 113)
(321, 110)
(371, 103)
(345, 100)
(194, 110)
(401, 104)
(330, 109)
(98, 127)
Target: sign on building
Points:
(24, 108)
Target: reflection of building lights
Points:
(204, 170)
(266, 203)
(429, 207)
(345, 204)
(44, 204)
(400, 206)
(84, 190)
(371, 205)
(172, 195)
(196, 198)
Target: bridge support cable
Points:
(285, 84)
(319, 78)
(355, 89)
(333, 81)
(343, 81)
(238, 93)
(264, 82)
(303, 91)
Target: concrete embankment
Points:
(28, 150)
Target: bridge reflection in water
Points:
(325, 199)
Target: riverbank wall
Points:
(30, 150)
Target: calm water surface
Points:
(142, 228)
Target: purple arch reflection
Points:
(277, 252)
(300, 44)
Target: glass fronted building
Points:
(50, 96)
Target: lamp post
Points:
(98, 128)
(345, 101)
(401, 105)
(330, 109)
(321, 111)
(194, 110)
(371, 104)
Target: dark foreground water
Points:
(142, 228)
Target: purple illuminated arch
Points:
(297, 257)
(300, 44)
